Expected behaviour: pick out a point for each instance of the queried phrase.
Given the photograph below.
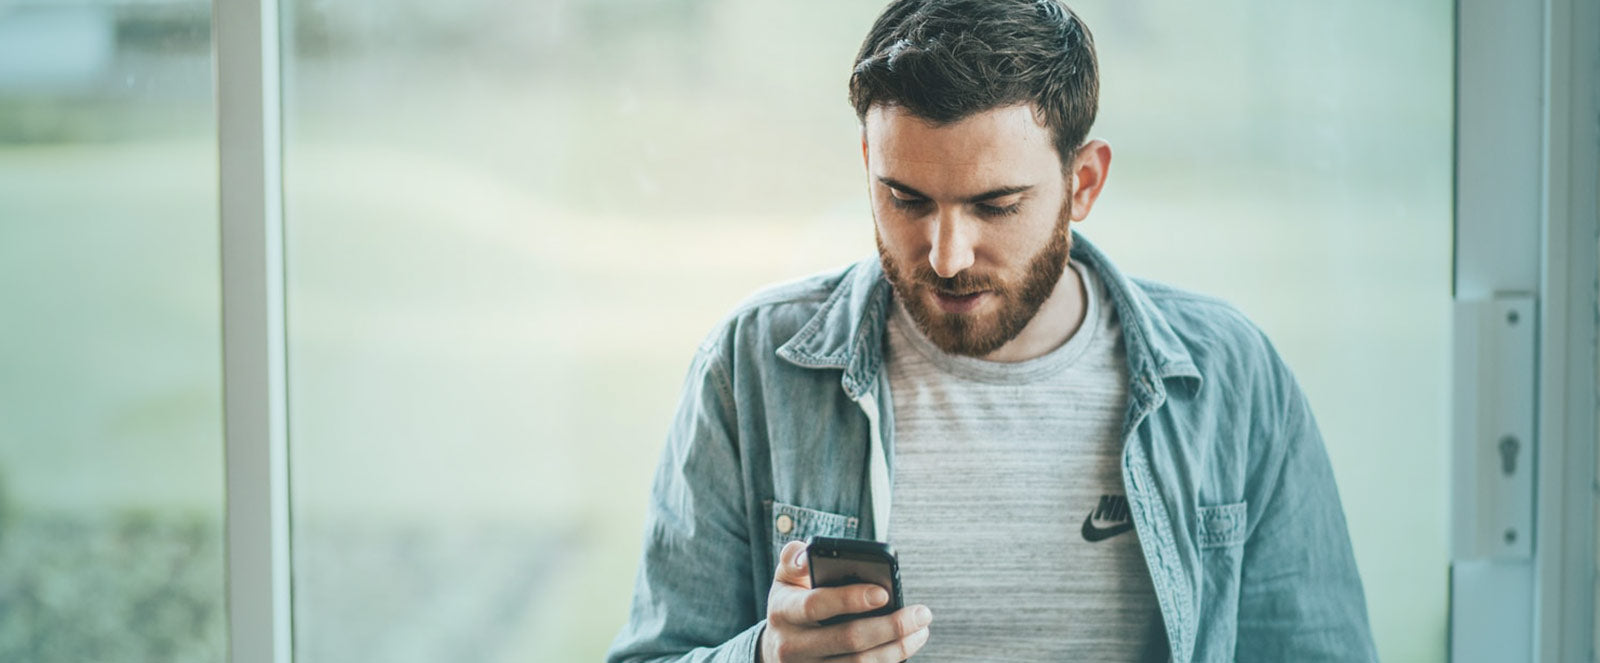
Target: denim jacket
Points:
(786, 411)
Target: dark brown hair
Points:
(945, 60)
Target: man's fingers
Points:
(863, 635)
(893, 652)
(792, 569)
(827, 602)
(811, 606)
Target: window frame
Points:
(248, 79)
(1526, 149)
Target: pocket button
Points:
(785, 523)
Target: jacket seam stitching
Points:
(725, 393)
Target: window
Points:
(503, 249)
(111, 486)
(508, 224)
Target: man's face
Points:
(972, 221)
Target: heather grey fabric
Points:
(997, 468)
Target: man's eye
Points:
(998, 211)
(908, 203)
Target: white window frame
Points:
(1526, 229)
(248, 79)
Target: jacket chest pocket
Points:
(1221, 541)
(1221, 537)
(1222, 526)
(788, 522)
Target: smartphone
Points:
(838, 562)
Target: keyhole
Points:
(1509, 446)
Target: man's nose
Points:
(951, 250)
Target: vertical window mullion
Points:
(247, 70)
(1493, 574)
(1526, 148)
(1570, 149)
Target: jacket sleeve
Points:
(693, 599)
(1300, 594)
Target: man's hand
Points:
(794, 608)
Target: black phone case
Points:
(823, 549)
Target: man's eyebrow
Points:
(987, 195)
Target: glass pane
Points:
(1296, 159)
(111, 493)
(510, 223)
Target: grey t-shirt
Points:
(1009, 515)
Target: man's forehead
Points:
(1000, 134)
(996, 148)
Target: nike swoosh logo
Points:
(1093, 534)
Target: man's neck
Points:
(1057, 320)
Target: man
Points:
(1081, 466)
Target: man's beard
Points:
(967, 333)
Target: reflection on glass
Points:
(510, 223)
(110, 360)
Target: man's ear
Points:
(1090, 167)
(864, 147)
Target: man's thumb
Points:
(792, 565)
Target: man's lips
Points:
(959, 303)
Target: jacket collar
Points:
(847, 331)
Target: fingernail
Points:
(876, 596)
(800, 558)
(923, 615)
